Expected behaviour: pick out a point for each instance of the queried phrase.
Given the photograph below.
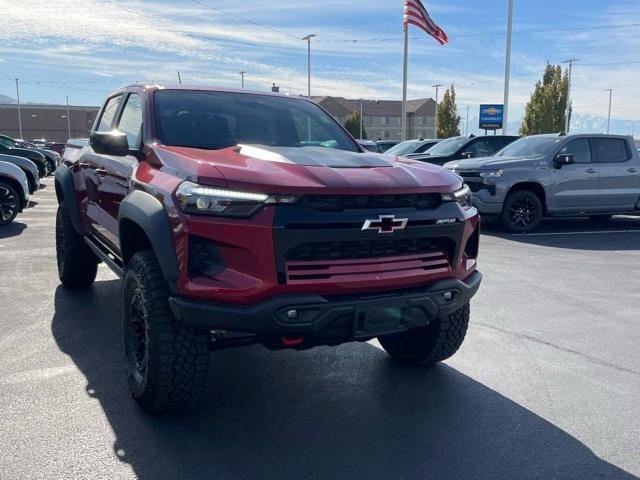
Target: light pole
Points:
(466, 128)
(436, 87)
(242, 77)
(68, 120)
(507, 70)
(610, 90)
(19, 109)
(361, 110)
(308, 39)
(567, 113)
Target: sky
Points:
(85, 48)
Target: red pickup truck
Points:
(236, 218)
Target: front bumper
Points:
(327, 320)
(484, 206)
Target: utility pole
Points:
(361, 110)
(436, 87)
(19, 108)
(308, 39)
(466, 128)
(242, 77)
(567, 113)
(610, 90)
(179, 78)
(68, 120)
(507, 70)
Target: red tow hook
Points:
(292, 341)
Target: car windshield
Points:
(403, 148)
(530, 147)
(215, 120)
(448, 146)
(7, 142)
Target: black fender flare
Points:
(149, 214)
(65, 191)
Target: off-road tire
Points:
(166, 362)
(9, 203)
(527, 202)
(431, 344)
(77, 264)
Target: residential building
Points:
(383, 118)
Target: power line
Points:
(244, 19)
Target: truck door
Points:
(90, 165)
(619, 179)
(574, 187)
(116, 172)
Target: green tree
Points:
(352, 124)
(448, 118)
(545, 112)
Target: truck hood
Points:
(483, 163)
(305, 170)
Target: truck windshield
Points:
(448, 146)
(530, 147)
(215, 120)
(403, 148)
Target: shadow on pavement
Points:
(12, 230)
(618, 233)
(345, 412)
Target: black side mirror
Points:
(467, 155)
(563, 159)
(109, 143)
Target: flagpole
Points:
(404, 82)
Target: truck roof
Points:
(204, 88)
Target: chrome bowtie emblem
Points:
(385, 224)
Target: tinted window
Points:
(423, 148)
(214, 120)
(611, 150)
(131, 120)
(448, 146)
(580, 150)
(480, 148)
(7, 142)
(403, 148)
(109, 112)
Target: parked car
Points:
(28, 167)
(456, 148)
(384, 145)
(35, 156)
(227, 233)
(412, 147)
(14, 192)
(551, 175)
(57, 147)
(53, 159)
(368, 145)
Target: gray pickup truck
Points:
(555, 175)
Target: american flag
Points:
(416, 14)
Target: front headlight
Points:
(462, 196)
(492, 174)
(203, 200)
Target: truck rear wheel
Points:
(431, 344)
(522, 211)
(77, 264)
(166, 362)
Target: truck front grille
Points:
(337, 203)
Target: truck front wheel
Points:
(522, 211)
(431, 344)
(166, 362)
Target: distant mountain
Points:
(5, 99)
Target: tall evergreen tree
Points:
(448, 118)
(545, 112)
(352, 124)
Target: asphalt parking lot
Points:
(547, 384)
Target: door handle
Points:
(591, 170)
(102, 172)
(633, 170)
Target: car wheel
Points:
(77, 264)
(51, 167)
(431, 344)
(522, 212)
(9, 203)
(166, 362)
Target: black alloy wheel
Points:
(9, 203)
(522, 212)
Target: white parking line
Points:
(573, 233)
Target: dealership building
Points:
(383, 118)
(51, 122)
